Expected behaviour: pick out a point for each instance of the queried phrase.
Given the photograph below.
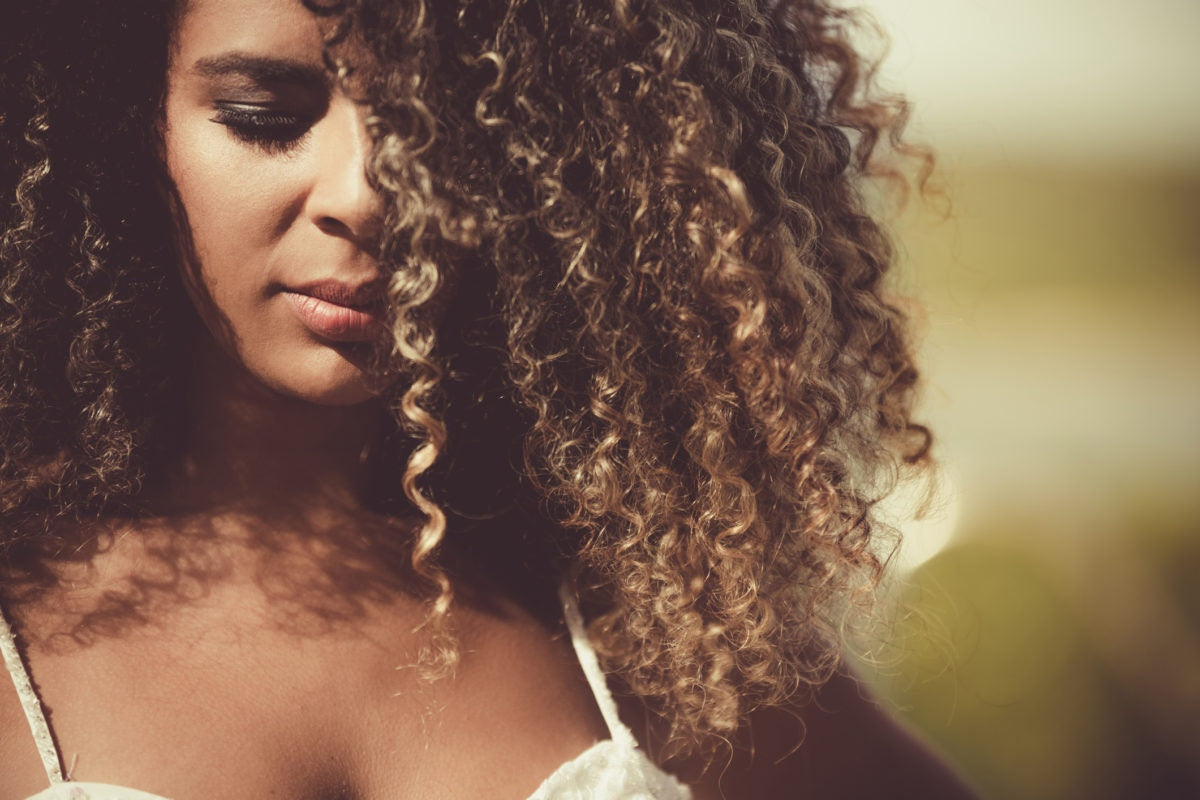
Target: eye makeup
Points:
(271, 129)
(267, 102)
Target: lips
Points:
(338, 311)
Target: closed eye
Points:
(272, 130)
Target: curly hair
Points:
(665, 196)
(629, 254)
(88, 290)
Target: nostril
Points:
(334, 226)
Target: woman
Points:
(354, 355)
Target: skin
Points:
(268, 160)
(269, 645)
(266, 651)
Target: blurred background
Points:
(1046, 634)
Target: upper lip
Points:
(352, 295)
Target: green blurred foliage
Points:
(995, 667)
(1053, 649)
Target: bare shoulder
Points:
(843, 746)
(21, 774)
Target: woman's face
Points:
(267, 155)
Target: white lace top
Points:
(613, 769)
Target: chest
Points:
(226, 704)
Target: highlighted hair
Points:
(690, 292)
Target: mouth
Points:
(337, 311)
(361, 296)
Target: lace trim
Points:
(616, 767)
(609, 769)
(74, 790)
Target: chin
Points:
(344, 395)
(328, 381)
(329, 392)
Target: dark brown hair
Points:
(666, 198)
(633, 231)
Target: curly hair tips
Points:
(665, 195)
(625, 238)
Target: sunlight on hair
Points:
(927, 519)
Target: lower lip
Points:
(332, 321)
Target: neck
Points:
(248, 447)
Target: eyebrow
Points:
(262, 69)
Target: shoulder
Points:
(21, 774)
(841, 745)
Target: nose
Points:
(342, 202)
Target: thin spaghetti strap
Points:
(591, 669)
(30, 703)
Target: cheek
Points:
(243, 211)
(237, 204)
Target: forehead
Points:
(282, 28)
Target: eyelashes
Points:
(270, 130)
